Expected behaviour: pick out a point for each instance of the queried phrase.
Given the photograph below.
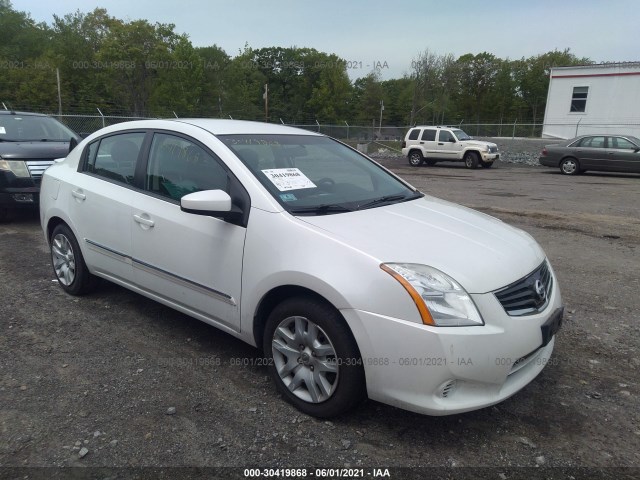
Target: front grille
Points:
(528, 295)
(37, 167)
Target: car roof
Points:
(436, 126)
(218, 126)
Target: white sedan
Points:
(352, 282)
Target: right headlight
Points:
(441, 301)
(17, 167)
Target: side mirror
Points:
(214, 203)
(73, 143)
(452, 140)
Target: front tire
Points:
(313, 358)
(487, 164)
(570, 166)
(68, 263)
(415, 158)
(471, 160)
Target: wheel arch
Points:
(53, 223)
(274, 297)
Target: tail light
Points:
(404, 144)
(544, 152)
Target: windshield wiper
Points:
(321, 209)
(385, 199)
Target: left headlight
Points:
(441, 301)
(17, 167)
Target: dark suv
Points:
(29, 143)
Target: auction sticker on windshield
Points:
(288, 179)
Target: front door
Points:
(192, 261)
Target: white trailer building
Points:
(601, 98)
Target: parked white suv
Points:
(437, 144)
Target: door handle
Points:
(144, 221)
(440, 143)
(78, 194)
(421, 143)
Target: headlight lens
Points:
(17, 167)
(441, 300)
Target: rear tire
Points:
(570, 166)
(68, 263)
(471, 160)
(415, 158)
(313, 358)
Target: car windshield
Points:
(461, 135)
(315, 175)
(20, 128)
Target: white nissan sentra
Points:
(353, 283)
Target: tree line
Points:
(140, 68)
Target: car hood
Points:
(479, 143)
(482, 253)
(33, 150)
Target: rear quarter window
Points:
(413, 134)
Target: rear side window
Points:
(115, 157)
(413, 134)
(429, 135)
(592, 142)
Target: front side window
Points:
(115, 157)
(178, 167)
(621, 143)
(445, 136)
(579, 99)
(314, 175)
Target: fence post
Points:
(317, 123)
(101, 116)
(513, 134)
(345, 122)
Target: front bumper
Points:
(20, 198)
(448, 370)
(490, 157)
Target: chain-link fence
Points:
(86, 124)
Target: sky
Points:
(386, 34)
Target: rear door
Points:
(100, 203)
(622, 155)
(592, 153)
(192, 261)
(428, 143)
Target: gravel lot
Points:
(116, 380)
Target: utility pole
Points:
(265, 95)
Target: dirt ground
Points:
(100, 372)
